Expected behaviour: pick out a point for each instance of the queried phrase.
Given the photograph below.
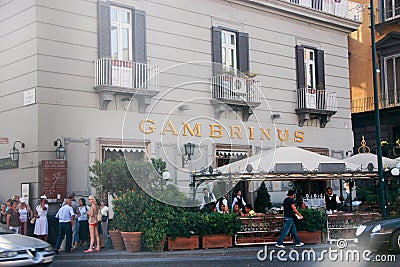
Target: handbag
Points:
(99, 216)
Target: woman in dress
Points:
(41, 226)
(83, 222)
(25, 214)
(13, 222)
(93, 225)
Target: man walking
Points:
(289, 211)
(66, 218)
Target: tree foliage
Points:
(263, 200)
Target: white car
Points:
(20, 250)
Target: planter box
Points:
(182, 243)
(216, 241)
(310, 237)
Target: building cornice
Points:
(302, 13)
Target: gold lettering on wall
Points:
(251, 133)
(265, 133)
(238, 132)
(169, 128)
(151, 129)
(213, 130)
(299, 136)
(191, 131)
(286, 137)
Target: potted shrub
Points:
(116, 237)
(183, 231)
(128, 218)
(311, 227)
(218, 229)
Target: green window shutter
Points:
(139, 36)
(243, 52)
(301, 81)
(104, 24)
(216, 43)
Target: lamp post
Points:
(14, 152)
(377, 120)
(189, 152)
(60, 150)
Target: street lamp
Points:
(14, 152)
(377, 120)
(189, 150)
(60, 150)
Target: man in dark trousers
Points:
(331, 201)
(66, 219)
(289, 211)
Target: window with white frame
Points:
(309, 67)
(392, 79)
(392, 9)
(229, 52)
(121, 33)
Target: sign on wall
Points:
(30, 97)
(7, 163)
(4, 140)
(54, 175)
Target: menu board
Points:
(54, 174)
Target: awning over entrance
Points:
(125, 149)
(285, 163)
(363, 159)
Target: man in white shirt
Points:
(222, 201)
(66, 219)
(239, 200)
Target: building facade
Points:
(387, 16)
(142, 78)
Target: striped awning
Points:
(231, 153)
(124, 149)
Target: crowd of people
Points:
(221, 205)
(79, 224)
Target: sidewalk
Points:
(106, 253)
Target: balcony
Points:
(237, 91)
(387, 16)
(339, 8)
(125, 77)
(315, 104)
(367, 104)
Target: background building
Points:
(387, 16)
(70, 68)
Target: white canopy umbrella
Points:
(363, 159)
(266, 161)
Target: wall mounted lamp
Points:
(14, 152)
(60, 150)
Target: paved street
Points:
(243, 256)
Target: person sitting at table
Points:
(331, 201)
(248, 210)
(237, 210)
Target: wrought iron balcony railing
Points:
(367, 104)
(126, 74)
(236, 89)
(312, 99)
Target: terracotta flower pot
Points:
(160, 246)
(216, 241)
(132, 241)
(116, 239)
(181, 243)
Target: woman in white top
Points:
(41, 226)
(104, 222)
(83, 222)
(25, 214)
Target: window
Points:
(392, 79)
(392, 9)
(121, 33)
(310, 68)
(229, 50)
